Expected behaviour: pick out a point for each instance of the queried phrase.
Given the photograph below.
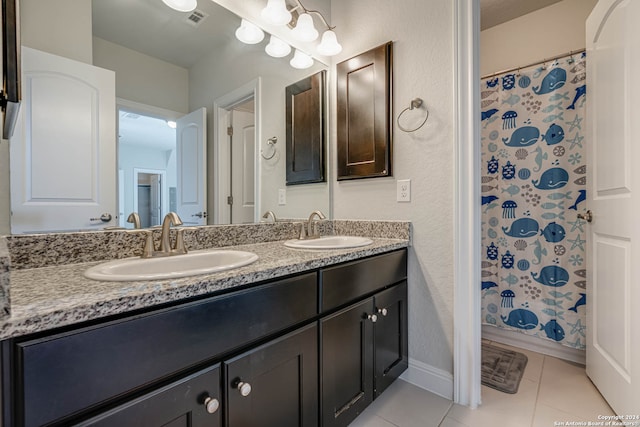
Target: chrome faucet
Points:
(270, 214)
(134, 219)
(170, 219)
(311, 229)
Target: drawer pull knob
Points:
(212, 404)
(383, 311)
(373, 318)
(244, 388)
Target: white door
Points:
(155, 198)
(613, 276)
(243, 147)
(191, 157)
(63, 151)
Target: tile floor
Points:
(551, 390)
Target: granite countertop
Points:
(48, 297)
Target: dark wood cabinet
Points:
(347, 363)
(275, 384)
(307, 350)
(193, 401)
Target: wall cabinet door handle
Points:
(244, 388)
(372, 317)
(383, 311)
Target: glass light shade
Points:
(248, 33)
(329, 45)
(181, 5)
(301, 60)
(304, 29)
(172, 124)
(276, 13)
(277, 48)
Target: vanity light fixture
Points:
(301, 60)
(181, 5)
(304, 29)
(329, 45)
(277, 48)
(276, 13)
(249, 33)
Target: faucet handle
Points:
(180, 246)
(149, 246)
(303, 234)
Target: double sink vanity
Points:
(280, 331)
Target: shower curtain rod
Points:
(573, 52)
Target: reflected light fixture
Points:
(301, 60)
(172, 124)
(276, 13)
(181, 5)
(277, 48)
(329, 45)
(304, 29)
(249, 33)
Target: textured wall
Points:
(422, 32)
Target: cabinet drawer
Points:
(348, 282)
(69, 372)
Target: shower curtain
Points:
(533, 186)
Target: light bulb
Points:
(181, 5)
(249, 33)
(304, 29)
(277, 48)
(329, 45)
(276, 13)
(301, 60)
(172, 124)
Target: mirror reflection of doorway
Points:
(242, 163)
(147, 161)
(150, 204)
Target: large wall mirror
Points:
(174, 70)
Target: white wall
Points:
(143, 78)
(422, 32)
(61, 27)
(545, 33)
(211, 78)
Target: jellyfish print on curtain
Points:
(533, 185)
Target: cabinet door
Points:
(275, 384)
(190, 402)
(347, 363)
(391, 344)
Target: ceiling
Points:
(495, 12)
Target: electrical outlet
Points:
(403, 193)
(282, 197)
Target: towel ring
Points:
(271, 142)
(415, 103)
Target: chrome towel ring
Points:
(415, 103)
(272, 143)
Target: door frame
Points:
(221, 107)
(164, 190)
(467, 240)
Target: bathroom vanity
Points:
(309, 343)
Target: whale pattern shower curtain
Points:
(533, 187)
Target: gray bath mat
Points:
(502, 369)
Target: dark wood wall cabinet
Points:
(364, 114)
(305, 112)
(305, 351)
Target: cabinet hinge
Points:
(230, 200)
(230, 131)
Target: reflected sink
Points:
(329, 242)
(191, 264)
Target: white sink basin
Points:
(191, 264)
(329, 242)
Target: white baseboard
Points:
(429, 378)
(528, 342)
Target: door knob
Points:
(200, 214)
(587, 216)
(105, 217)
(212, 404)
